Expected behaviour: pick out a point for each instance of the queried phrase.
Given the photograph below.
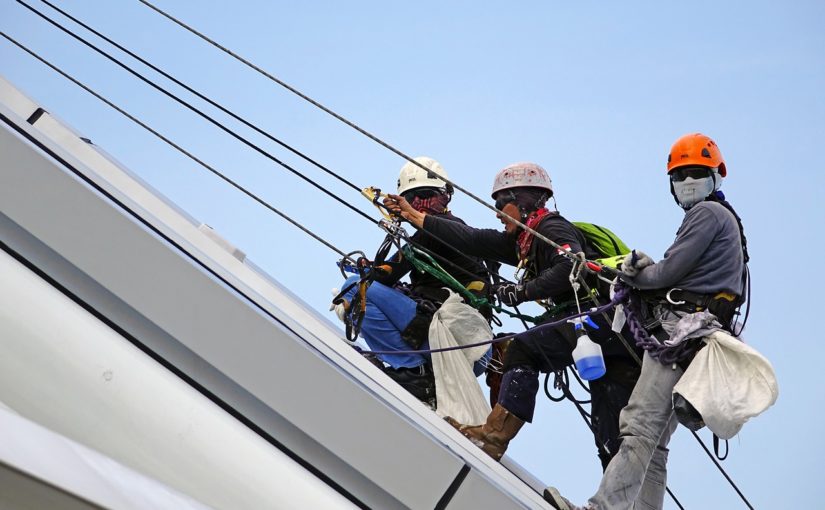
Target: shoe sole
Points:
(552, 496)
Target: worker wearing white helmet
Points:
(394, 321)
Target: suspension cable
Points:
(195, 110)
(348, 123)
(227, 130)
(239, 137)
(202, 96)
(728, 478)
(178, 147)
(243, 121)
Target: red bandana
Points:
(433, 205)
(525, 238)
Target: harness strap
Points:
(679, 296)
(722, 304)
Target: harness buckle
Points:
(670, 299)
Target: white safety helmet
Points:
(522, 175)
(413, 176)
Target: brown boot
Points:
(494, 436)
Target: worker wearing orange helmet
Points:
(692, 292)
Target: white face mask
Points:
(692, 191)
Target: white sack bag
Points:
(457, 391)
(728, 383)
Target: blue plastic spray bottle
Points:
(587, 355)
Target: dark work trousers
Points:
(549, 350)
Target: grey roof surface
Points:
(195, 305)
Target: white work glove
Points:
(340, 308)
(634, 262)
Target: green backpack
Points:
(611, 249)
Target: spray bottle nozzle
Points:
(579, 322)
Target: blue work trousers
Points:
(388, 314)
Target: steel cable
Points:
(344, 120)
(197, 111)
(243, 121)
(176, 146)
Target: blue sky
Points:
(595, 93)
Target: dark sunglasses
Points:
(503, 201)
(694, 172)
(422, 193)
(504, 198)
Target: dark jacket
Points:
(547, 270)
(462, 267)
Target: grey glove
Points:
(634, 262)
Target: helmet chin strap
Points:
(673, 193)
(539, 203)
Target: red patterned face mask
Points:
(436, 204)
(525, 238)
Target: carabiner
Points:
(670, 300)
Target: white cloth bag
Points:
(728, 383)
(456, 387)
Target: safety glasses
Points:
(422, 193)
(694, 172)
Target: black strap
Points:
(690, 298)
(716, 448)
(453, 488)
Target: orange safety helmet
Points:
(696, 149)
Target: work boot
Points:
(493, 436)
(552, 496)
(419, 381)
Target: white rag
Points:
(456, 388)
(728, 383)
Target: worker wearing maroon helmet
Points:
(521, 191)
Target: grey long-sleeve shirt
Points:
(706, 256)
